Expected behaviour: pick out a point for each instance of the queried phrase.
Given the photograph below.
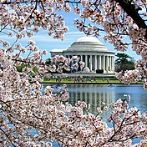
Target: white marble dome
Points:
(89, 39)
(87, 43)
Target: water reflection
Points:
(92, 95)
(97, 95)
(100, 95)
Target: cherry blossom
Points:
(31, 115)
(61, 64)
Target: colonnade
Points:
(94, 62)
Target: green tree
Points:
(124, 62)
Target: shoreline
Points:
(88, 82)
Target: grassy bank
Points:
(84, 81)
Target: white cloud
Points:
(44, 38)
(74, 33)
(69, 36)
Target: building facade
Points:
(91, 51)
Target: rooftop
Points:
(89, 39)
(87, 43)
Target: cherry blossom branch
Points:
(29, 62)
(7, 136)
(35, 7)
(132, 11)
(121, 125)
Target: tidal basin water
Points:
(96, 95)
(105, 95)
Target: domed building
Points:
(91, 51)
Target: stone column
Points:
(104, 63)
(100, 66)
(109, 63)
(113, 64)
(86, 60)
(95, 62)
(91, 62)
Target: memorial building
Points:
(91, 51)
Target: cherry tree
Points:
(29, 115)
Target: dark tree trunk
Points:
(132, 11)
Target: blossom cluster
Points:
(31, 115)
(61, 64)
(28, 18)
(136, 75)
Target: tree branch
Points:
(132, 11)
